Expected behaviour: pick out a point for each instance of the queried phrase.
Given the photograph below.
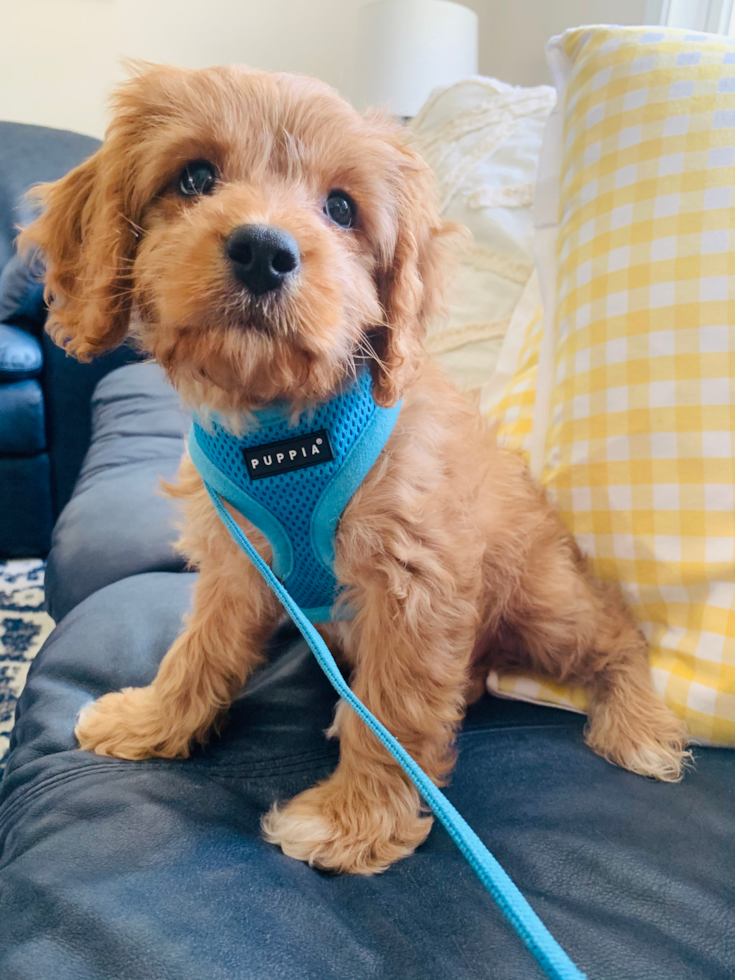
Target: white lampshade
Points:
(406, 48)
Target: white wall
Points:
(513, 33)
(57, 61)
(59, 58)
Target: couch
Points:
(44, 395)
(113, 870)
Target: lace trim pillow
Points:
(482, 138)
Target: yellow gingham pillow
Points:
(513, 413)
(639, 444)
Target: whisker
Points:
(366, 347)
(137, 230)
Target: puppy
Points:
(449, 554)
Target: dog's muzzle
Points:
(262, 257)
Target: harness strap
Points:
(534, 934)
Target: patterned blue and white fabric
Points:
(24, 627)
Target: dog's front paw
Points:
(340, 828)
(129, 724)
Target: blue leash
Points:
(538, 940)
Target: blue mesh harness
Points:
(293, 481)
(297, 502)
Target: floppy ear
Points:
(87, 238)
(411, 285)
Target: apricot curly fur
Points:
(453, 559)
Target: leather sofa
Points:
(156, 870)
(44, 395)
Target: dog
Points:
(451, 557)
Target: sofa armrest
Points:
(21, 357)
(21, 293)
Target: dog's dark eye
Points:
(197, 177)
(340, 208)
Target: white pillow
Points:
(483, 138)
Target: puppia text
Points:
(290, 454)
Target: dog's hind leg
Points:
(578, 630)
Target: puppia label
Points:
(290, 454)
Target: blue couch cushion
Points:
(117, 522)
(22, 429)
(156, 870)
(20, 354)
(68, 387)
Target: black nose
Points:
(262, 257)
